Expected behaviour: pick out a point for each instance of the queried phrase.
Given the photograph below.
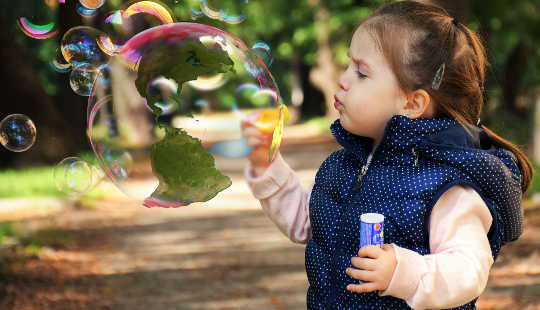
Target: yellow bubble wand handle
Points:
(273, 120)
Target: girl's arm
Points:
(457, 270)
(282, 198)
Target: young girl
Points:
(413, 150)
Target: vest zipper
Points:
(415, 155)
(363, 171)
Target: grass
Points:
(39, 182)
(34, 182)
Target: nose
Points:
(342, 81)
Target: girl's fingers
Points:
(362, 287)
(253, 141)
(251, 131)
(360, 274)
(249, 120)
(255, 137)
(370, 251)
(363, 263)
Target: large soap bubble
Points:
(175, 91)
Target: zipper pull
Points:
(358, 183)
(363, 172)
(415, 155)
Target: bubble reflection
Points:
(17, 132)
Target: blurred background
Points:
(103, 250)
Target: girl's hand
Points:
(259, 156)
(376, 267)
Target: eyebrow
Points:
(359, 62)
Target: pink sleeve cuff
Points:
(408, 277)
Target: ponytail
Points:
(524, 164)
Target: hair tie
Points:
(437, 79)
(455, 21)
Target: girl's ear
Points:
(419, 105)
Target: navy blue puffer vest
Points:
(415, 163)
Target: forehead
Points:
(365, 47)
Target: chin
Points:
(346, 126)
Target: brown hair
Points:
(417, 39)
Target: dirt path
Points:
(225, 255)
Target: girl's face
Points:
(368, 94)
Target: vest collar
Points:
(402, 134)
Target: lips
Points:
(337, 103)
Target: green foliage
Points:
(509, 126)
(503, 24)
(535, 184)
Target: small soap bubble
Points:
(79, 46)
(229, 11)
(92, 4)
(73, 175)
(36, 31)
(164, 93)
(108, 46)
(86, 12)
(163, 13)
(115, 18)
(59, 64)
(209, 82)
(82, 79)
(17, 132)
(103, 78)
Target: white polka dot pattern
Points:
(415, 163)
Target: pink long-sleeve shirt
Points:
(455, 273)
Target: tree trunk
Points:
(314, 103)
(514, 70)
(325, 75)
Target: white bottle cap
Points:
(372, 218)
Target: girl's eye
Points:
(361, 75)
